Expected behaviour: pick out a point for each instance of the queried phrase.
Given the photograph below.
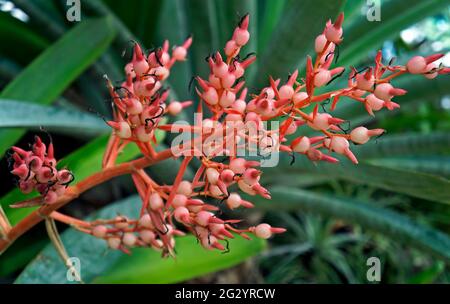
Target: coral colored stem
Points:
(74, 191)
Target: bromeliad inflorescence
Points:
(235, 119)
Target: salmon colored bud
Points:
(416, 65)
(251, 176)
(175, 108)
(50, 198)
(227, 98)
(263, 231)
(146, 221)
(322, 77)
(147, 236)
(365, 81)
(334, 32)
(122, 129)
(155, 201)
(210, 96)
(99, 231)
(203, 217)
(179, 53)
(286, 92)
(114, 242)
(129, 239)
(227, 176)
(320, 43)
(301, 144)
(179, 200)
(185, 188)
(142, 134)
(231, 48)
(212, 175)
(181, 214)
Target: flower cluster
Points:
(140, 101)
(234, 121)
(36, 170)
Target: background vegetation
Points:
(394, 205)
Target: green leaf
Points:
(405, 144)
(429, 275)
(52, 72)
(370, 216)
(15, 113)
(294, 36)
(437, 165)
(19, 42)
(417, 184)
(146, 266)
(270, 15)
(100, 265)
(364, 36)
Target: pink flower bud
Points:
(228, 80)
(146, 221)
(301, 144)
(203, 218)
(333, 32)
(155, 201)
(121, 222)
(26, 186)
(227, 98)
(361, 135)
(185, 187)
(286, 92)
(320, 43)
(143, 134)
(322, 77)
(210, 96)
(147, 236)
(51, 197)
(231, 48)
(365, 81)
(179, 200)
(251, 176)
(212, 175)
(416, 65)
(174, 108)
(181, 214)
(114, 242)
(99, 231)
(129, 239)
(44, 175)
(21, 171)
(179, 53)
(263, 231)
(227, 176)
(64, 176)
(122, 128)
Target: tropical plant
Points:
(412, 165)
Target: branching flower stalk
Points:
(233, 118)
